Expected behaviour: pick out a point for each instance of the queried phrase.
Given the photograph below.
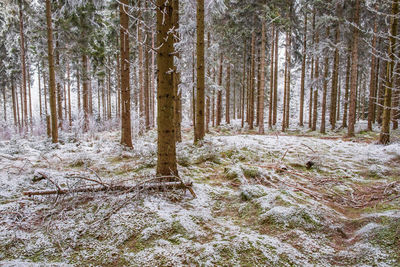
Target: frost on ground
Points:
(257, 204)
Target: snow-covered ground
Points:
(257, 204)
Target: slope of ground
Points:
(257, 203)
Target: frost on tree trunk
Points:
(354, 72)
(384, 137)
(262, 82)
(166, 154)
(126, 137)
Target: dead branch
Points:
(142, 186)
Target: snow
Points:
(274, 225)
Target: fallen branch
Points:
(145, 186)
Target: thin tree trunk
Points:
(40, 93)
(228, 93)
(372, 81)
(219, 96)
(346, 94)
(85, 93)
(310, 111)
(78, 91)
(262, 81)
(200, 82)
(243, 83)
(14, 102)
(24, 106)
(69, 96)
(384, 137)
(303, 72)
(325, 90)
(275, 108)
(252, 80)
(335, 74)
(271, 81)
(354, 71)
(316, 69)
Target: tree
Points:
(166, 154)
(52, 81)
(262, 81)
(384, 137)
(354, 70)
(200, 130)
(126, 136)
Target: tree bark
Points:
(271, 80)
(325, 90)
(24, 106)
(228, 93)
(219, 95)
(126, 135)
(166, 154)
(346, 94)
(303, 72)
(52, 81)
(275, 108)
(384, 137)
(262, 81)
(335, 75)
(354, 71)
(200, 81)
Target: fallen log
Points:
(128, 188)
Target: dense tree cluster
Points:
(142, 64)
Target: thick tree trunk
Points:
(354, 71)
(384, 137)
(200, 81)
(146, 85)
(52, 82)
(126, 135)
(177, 76)
(166, 155)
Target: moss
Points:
(184, 160)
(250, 172)
(389, 236)
(231, 174)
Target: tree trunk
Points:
(335, 74)
(78, 91)
(14, 102)
(310, 107)
(315, 98)
(40, 93)
(228, 93)
(346, 94)
(303, 72)
(262, 81)
(69, 97)
(271, 80)
(354, 71)
(59, 90)
(325, 90)
(166, 155)
(200, 82)
(243, 83)
(372, 82)
(384, 137)
(24, 106)
(85, 93)
(52, 84)
(275, 108)
(177, 76)
(126, 135)
(219, 95)
(252, 79)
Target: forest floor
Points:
(257, 203)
